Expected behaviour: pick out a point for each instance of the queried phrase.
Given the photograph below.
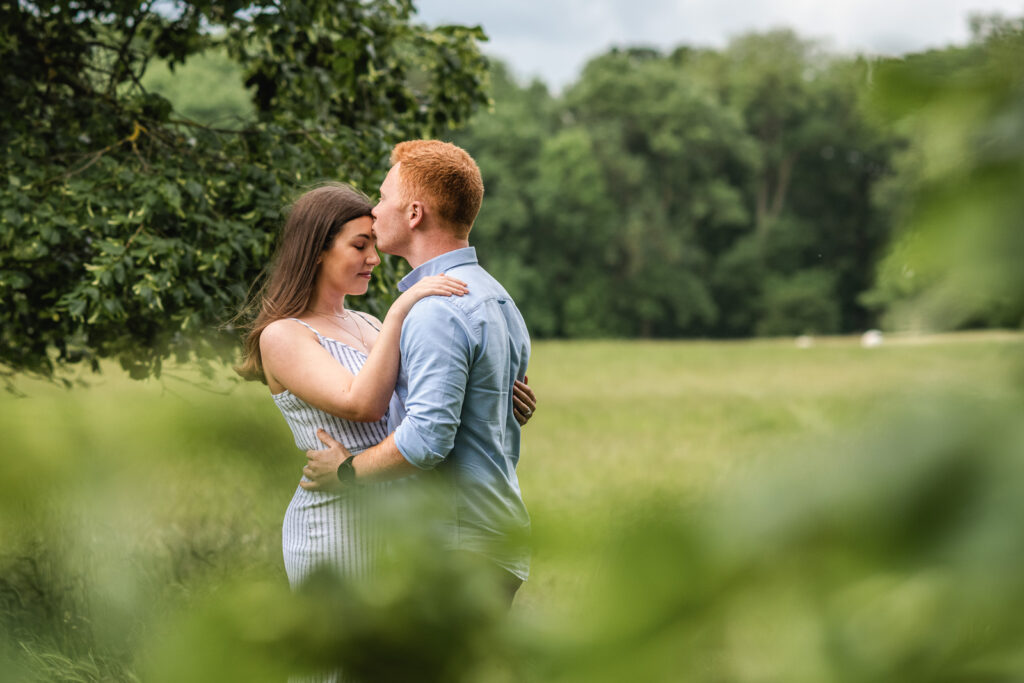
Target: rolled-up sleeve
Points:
(437, 342)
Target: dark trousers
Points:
(510, 583)
(507, 582)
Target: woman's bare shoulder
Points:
(284, 331)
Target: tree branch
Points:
(123, 51)
(782, 184)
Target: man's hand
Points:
(322, 466)
(523, 401)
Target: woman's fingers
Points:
(448, 280)
(443, 285)
(524, 402)
(524, 394)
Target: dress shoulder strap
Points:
(305, 324)
(369, 320)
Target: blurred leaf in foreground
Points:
(957, 261)
(422, 615)
(893, 555)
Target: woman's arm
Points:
(293, 358)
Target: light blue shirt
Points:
(460, 358)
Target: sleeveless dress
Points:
(333, 528)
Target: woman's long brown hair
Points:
(314, 221)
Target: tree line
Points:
(767, 188)
(692, 193)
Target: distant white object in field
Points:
(871, 339)
(804, 341)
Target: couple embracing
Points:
(434, 387)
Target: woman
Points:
(332, 368)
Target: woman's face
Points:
(347, 264)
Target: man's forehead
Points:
(392, 176)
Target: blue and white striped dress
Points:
(334, 529)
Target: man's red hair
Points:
(442, 176)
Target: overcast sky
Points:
(553, 39)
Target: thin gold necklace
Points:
(346, 316)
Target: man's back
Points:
(460, 359)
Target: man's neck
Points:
(429, 249)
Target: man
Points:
(460, 359)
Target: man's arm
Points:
(436, 351)
(382, 462)
(438, 347)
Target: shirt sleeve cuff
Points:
(415, 449)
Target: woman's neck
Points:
(331, 303)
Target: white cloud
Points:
(553, 39)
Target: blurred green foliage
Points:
(741, 511)
(128, 231)
(702, 512)
(956, 260)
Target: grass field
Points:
(128, 508)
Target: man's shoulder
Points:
(430, 307)
(434, 327)
(433, 313)
(486, 285)
(469, 311)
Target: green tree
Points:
(511, 239)
(576, 243)
(699, 192)
(668, 151)
(803, 303)
(207, 89)
(817, 159)
(128, 231)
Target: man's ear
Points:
(416, 214)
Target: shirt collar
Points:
(438, 265)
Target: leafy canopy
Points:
(129, 231)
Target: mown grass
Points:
(630, 418)
(127, 506)
(625, 422)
